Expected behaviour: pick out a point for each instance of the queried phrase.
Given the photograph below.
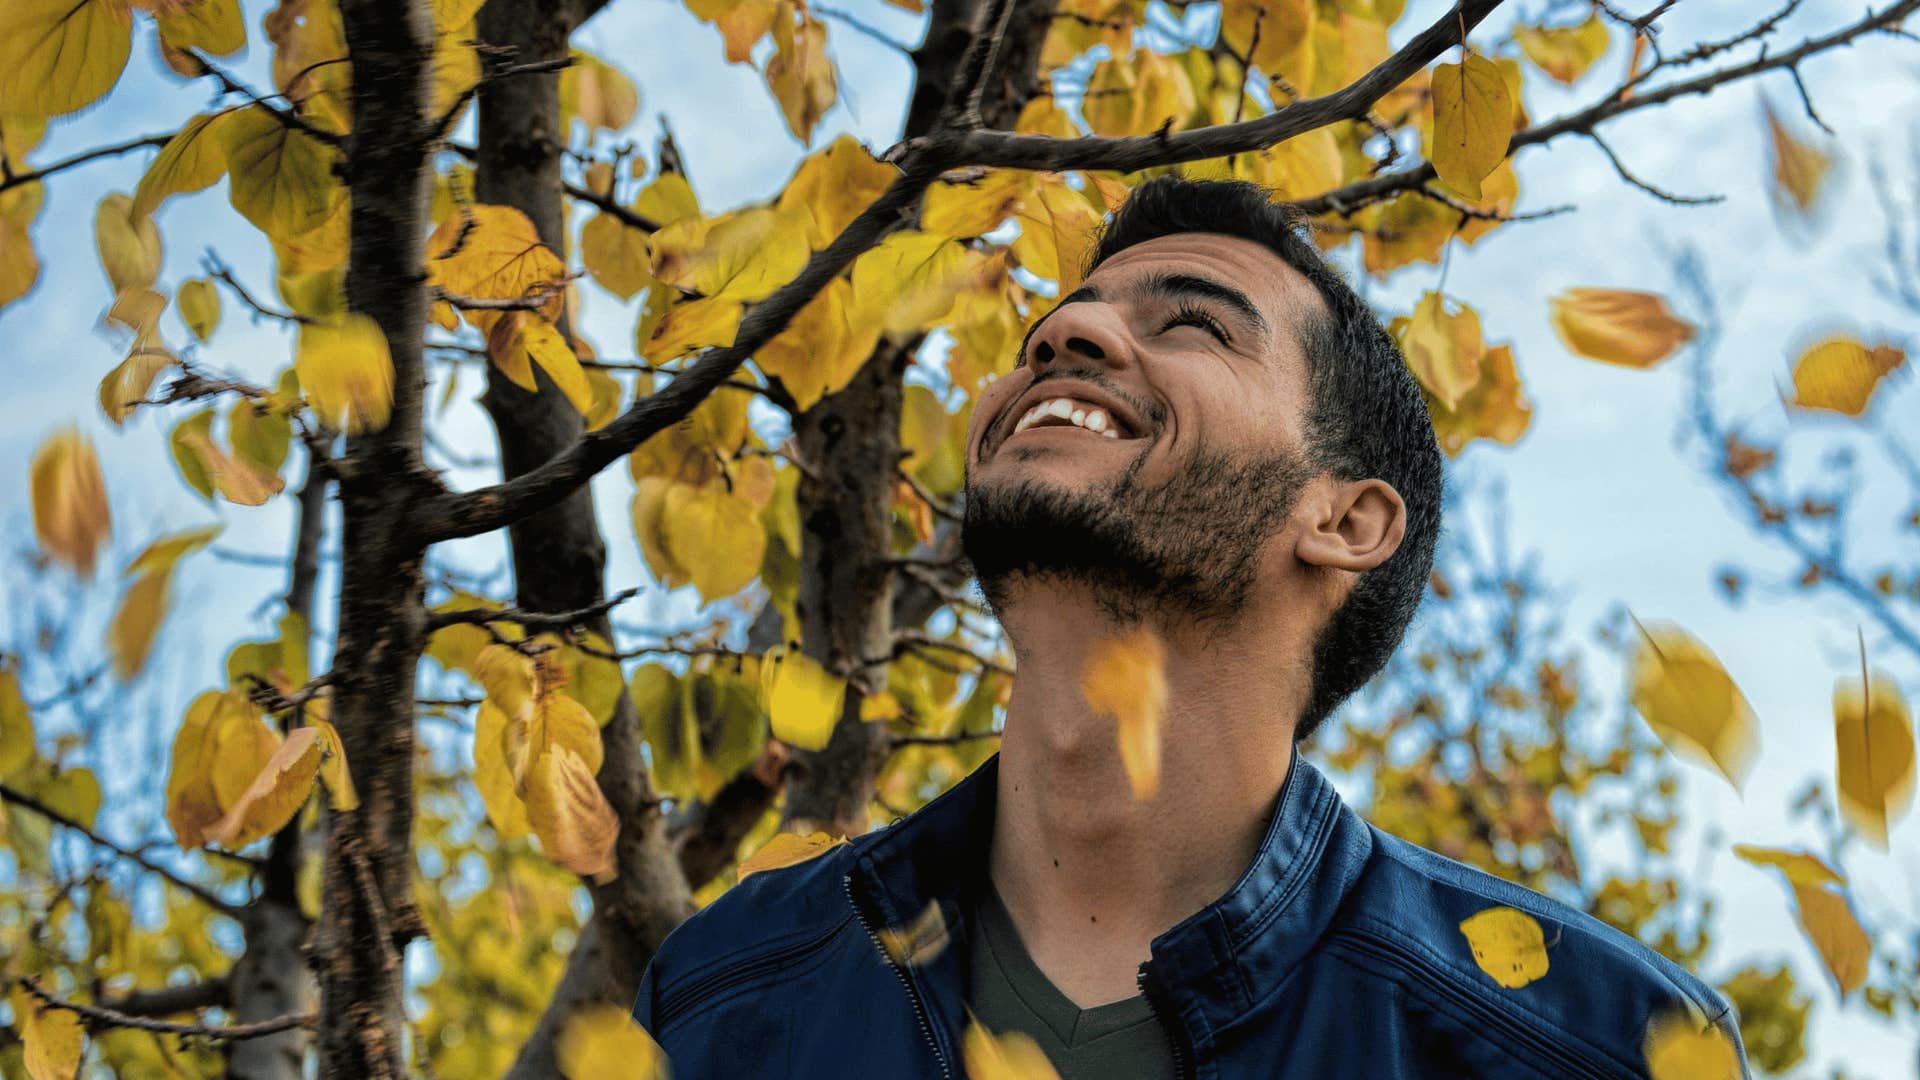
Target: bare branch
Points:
(19, 179)
(222, 273)
(531, 621)
(444, 126)
(172, 1000)
(99, 1016)
(1658, 193)
(197, 891)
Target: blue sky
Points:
(1603, 487)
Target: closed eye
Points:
(1192, 316)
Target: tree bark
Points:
(559, 556)
(851, 441)
(368, 916)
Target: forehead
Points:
(1281, 293)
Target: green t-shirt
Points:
(1121, 1040)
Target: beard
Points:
(1188, 549)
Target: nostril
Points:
(1043, 353)
(1086, 348)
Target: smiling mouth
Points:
(1070, 412)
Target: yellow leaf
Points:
(1799, 169)
(787, 849)
(160, 556)
(1138, 95)
(1282, 26)
(576, 826)
(1691, 702)
(70, 515)
(1507, 944)
(1836, 934)
(799, 73)
(821, 349)
(604, 1040)
(741, 23)
(1874, 734)
(1057, 231)
(715, 536)
(129, 245)
(456, 65)
(492, 777)
(308, 36)
(73, 793)
(740, 256)
(1125, 678)
(57, 56)
(804, 699)
(618, 257)
(906, 283)
(494, 252)
(667, 200)
(333, 769)
(51, 1039)
(1406, 229)
(1840, 374)
(346, 372)
(1495, 407)
(833, 186)
(260, 433)
(690, 451)
(1564, 52)
(239, 480)
(212, 26)
(17, 746)
(607, 397)
(967, 209)
(597, 93)
(1443, 350)
(1679, 1049)
(555, 720)
(278, 178)
(139, 310)
(183, 443)
(706, 323)
(1010, 1055)
(193, 803)
(918, 942)
(199, 307)
(19, 266)
(522, 338)
(1799, 867)
(276, 793)
(195, 158)
(1472, 122)
(1619, 326)
(648, 511)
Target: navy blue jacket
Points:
(1338, 953)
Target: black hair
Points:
(1366, 417)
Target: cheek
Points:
(989, 404)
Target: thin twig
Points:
(99, 1016)
(199, 892)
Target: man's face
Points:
(1178, 368)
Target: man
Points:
(1211, 441)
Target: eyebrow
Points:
(1165, 286)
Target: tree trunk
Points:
(368, 916)
(851, 442)
(559, 556)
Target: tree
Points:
(418, 170)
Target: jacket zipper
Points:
(1176, 1033)
(670, 1008)
(919, 1010)
(1519, 1033)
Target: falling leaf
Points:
(1508, 945)
(1010, 1055)
(786, 849)
(1472, 122)
(1874, 733)
(604, 1040)
(596, 92)
(1125, 678)
(136, 622)
(346, 372)
(17, 747)
(919, 941)
(1800, 867)
(1840, 374)
(51, 1039)
(129, 245)
(1564, 52)
(279, 178)
(570, 815)
(1836, 934)
(1619, 326)
(1691, 702)
(1799, 169)
(240, 481)
(70, 514)
(804, 700)
(199, 307)
(1677, 1048)
(59, 56)
(799, 72)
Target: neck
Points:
(1090, 873)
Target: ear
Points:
(1359, 526)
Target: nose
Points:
(1083, 330)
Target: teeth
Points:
(1092, 418)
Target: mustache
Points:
(1150, 411)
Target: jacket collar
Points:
(1214, 966)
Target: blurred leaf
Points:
(1619, 326)
(1840, 374)
(128, 243)
(53, 1038)
(604, 1040)
(1124, 678)
(1691, 702)
(1799, 169)
(70, 514)
(799, 72)
(1564, 52)
(1011, 1055)
(596, 92)
(278, 178)
(346, 372)
(787, 849)
(1508, 945)
(804, 699)
(199, 307)
(1874, 734)
(1679, 1049)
